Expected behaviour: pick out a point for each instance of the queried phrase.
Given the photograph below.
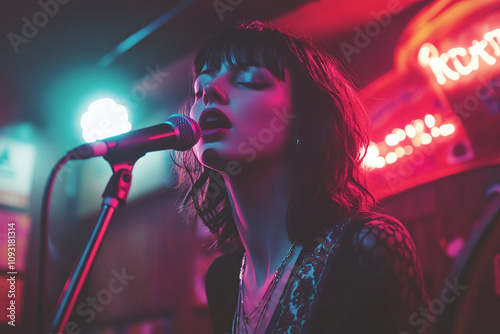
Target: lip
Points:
(212, 135)
(218, 114)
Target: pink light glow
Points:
(408, 149)
(419, 125)
(454, 247)
(419, 131)
(400, 152)
(416, 142)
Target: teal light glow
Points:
(104, 118)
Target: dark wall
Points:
(440, 216)
(147, 273)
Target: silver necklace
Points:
(264, 301)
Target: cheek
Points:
(276, 118)
(269, 112)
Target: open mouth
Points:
(213, 118)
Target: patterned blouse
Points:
(361, 276)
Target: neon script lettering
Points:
(450, 65)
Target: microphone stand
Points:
(114, 196)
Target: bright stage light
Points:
(104, 118)
(429, 120)
(400, 152)
(425, 139)
(391, 139)
(408, 150)
(446, 129)
(410, 131)
(391, 157)
(400, 133)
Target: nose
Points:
(212, 93)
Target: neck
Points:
(259, 199)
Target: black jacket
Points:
(372, 283)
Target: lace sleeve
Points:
(388, 259)
(376, 282)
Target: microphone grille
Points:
(189, 131)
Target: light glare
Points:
(400, 152)
(425, 139)
(104, 118)
(429, 120)
(391, 158)
(400, 133)
(380, 162)
(419, 125)
(410, 131)
(435, 132)
(408, 149)
(391, 139)
(446, 129)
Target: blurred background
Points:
(429, 72)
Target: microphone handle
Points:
(154, 138)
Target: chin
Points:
(228, 165)
(211, 158)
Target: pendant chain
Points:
(264, 301)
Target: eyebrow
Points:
(211, 71)
(208, 71)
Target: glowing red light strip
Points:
(418, 137)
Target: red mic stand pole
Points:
(114, 196)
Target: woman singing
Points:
(277, 178)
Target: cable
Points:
(44, 221)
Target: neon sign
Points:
(428, 56)
(401, 142)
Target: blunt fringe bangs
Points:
(247, 45)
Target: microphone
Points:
(178, 133)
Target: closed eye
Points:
(253, 85)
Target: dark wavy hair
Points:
(331, 123)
